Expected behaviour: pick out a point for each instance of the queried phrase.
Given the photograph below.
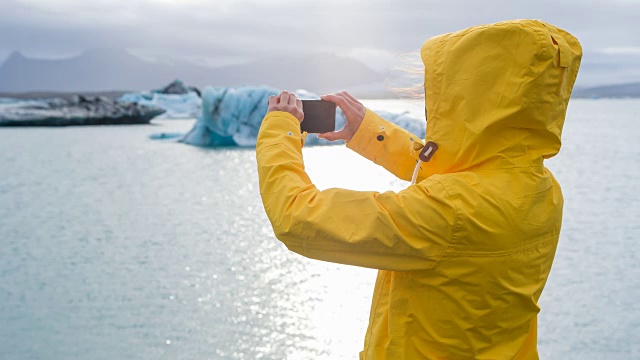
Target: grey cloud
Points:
(260, 29)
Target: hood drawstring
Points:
(415, 172)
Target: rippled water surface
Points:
(115, 246)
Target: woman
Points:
(465, 252)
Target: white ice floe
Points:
(177, 106)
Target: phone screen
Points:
(319, 116)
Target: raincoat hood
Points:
(497, 95)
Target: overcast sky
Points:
(229, 31)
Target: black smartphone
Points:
(319, 116)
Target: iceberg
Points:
(73, 110)
(232, 117)
(178, 100)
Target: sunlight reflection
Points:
(337, 166)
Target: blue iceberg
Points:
(232, 117)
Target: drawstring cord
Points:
(415, 172)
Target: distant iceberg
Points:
(178, 100)
(232, 117)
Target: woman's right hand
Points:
(354, 112)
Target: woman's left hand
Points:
(287, 102)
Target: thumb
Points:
(334, 135)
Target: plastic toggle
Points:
(427, 151)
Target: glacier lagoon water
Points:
(115, 246)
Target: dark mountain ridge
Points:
(108, 69)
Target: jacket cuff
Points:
(280, 127)
(370, 137)
(291, 124)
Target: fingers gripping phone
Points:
(319, 116)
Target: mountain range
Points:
(610, 91)
(108, 69)
(102, 70)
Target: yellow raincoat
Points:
(465, 253)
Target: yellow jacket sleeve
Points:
(409, 230)
(387, 145)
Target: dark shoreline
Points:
(71, 109)
(112, 95)
(65, 95)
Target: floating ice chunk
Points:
(165, 135)
(177, 106)
(178, 100)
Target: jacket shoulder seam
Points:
(543, 241)
(372, 251)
